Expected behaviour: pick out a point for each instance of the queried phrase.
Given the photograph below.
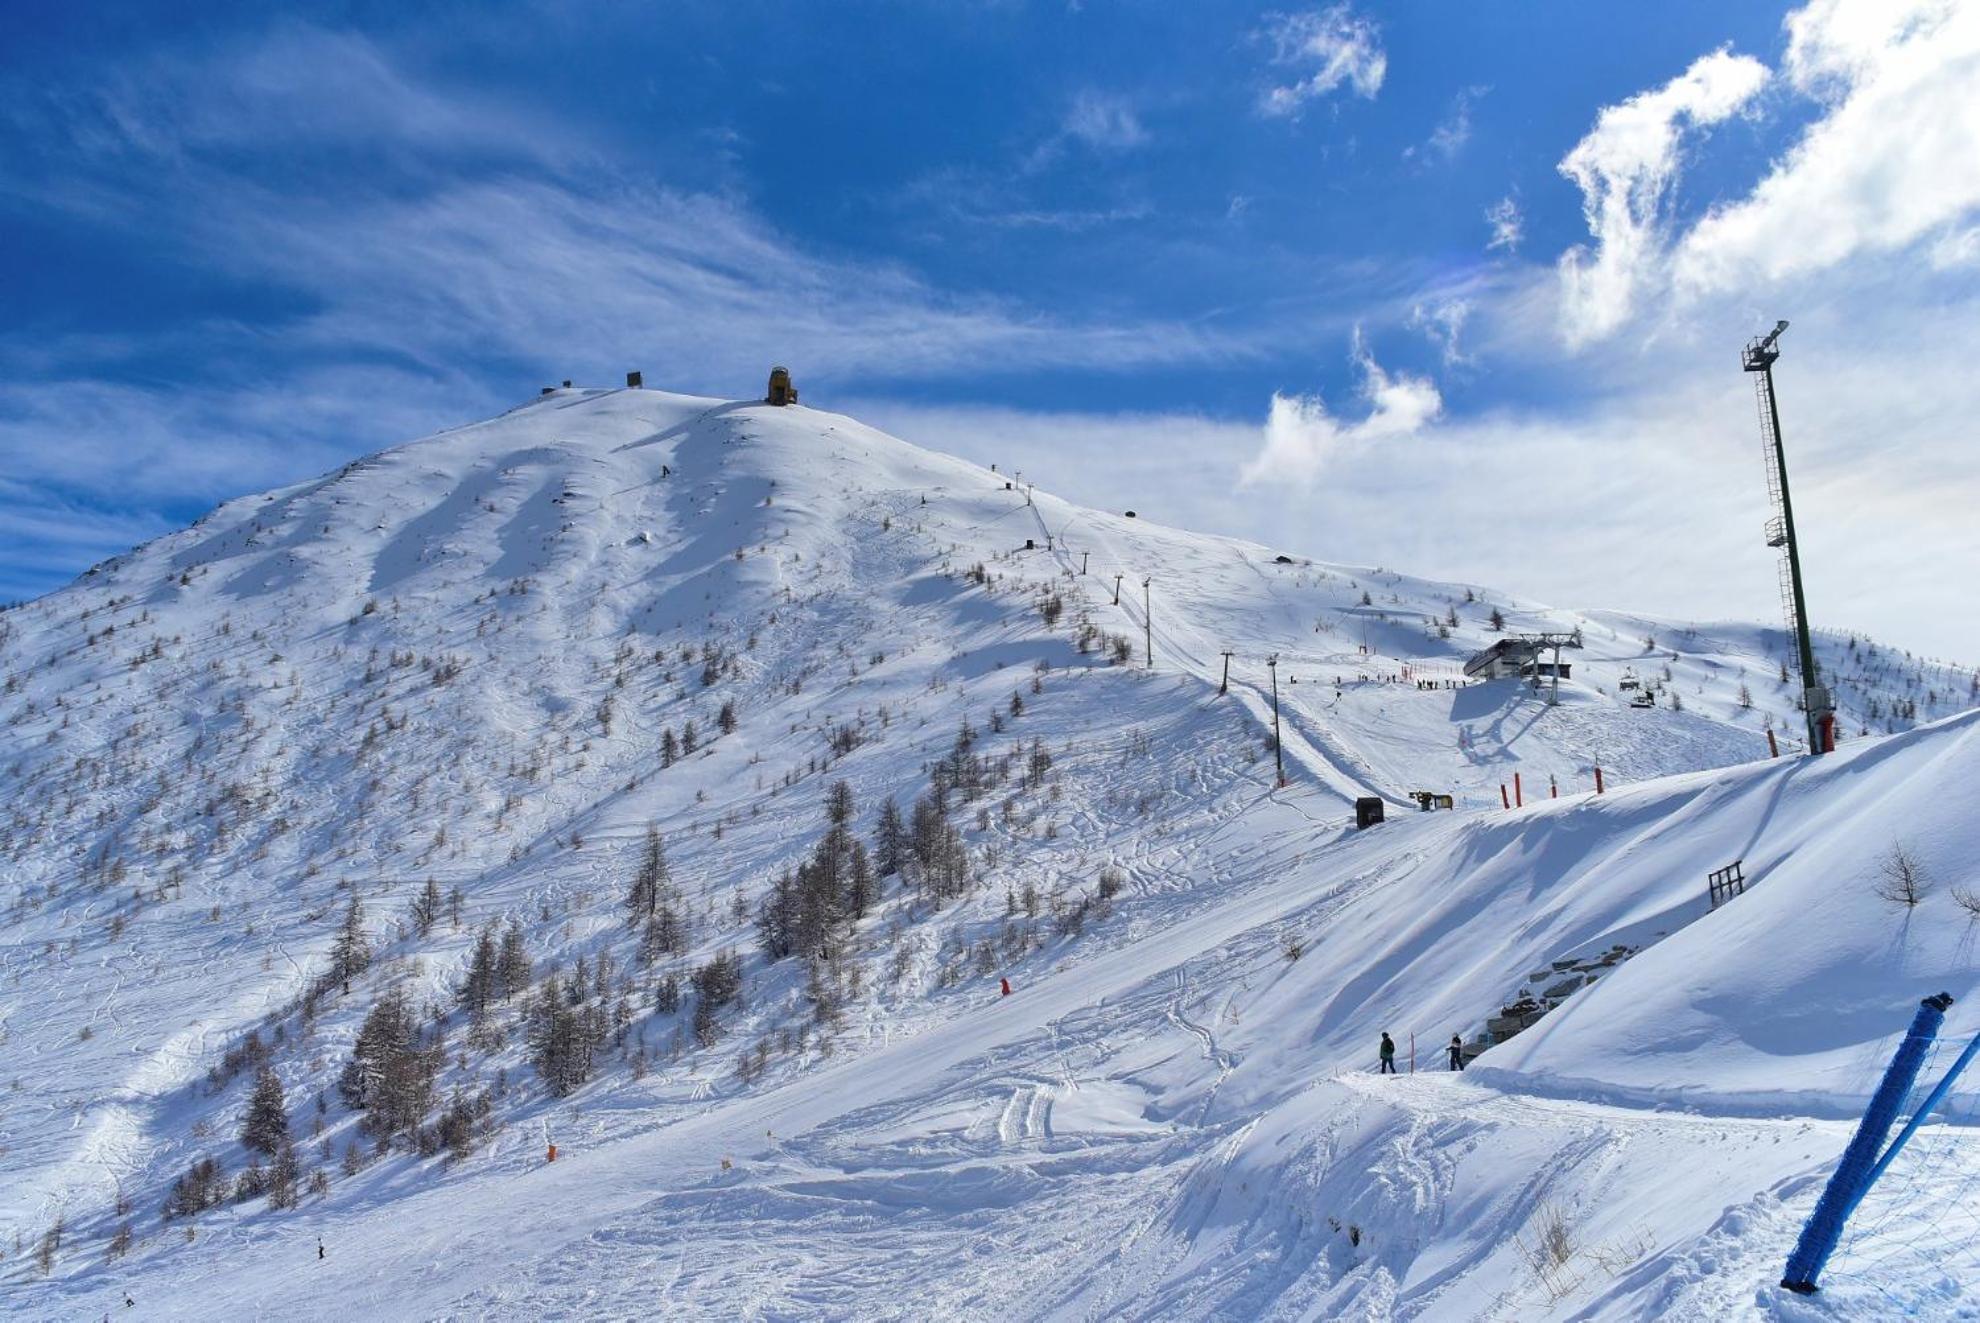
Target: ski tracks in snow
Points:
(1225, 1061)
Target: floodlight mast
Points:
(1758, 357)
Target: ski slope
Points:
(455, 660)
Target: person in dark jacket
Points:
(1457, 1053)
(1388, 1054)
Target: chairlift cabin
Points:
(781, 390)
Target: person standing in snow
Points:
(1457, 1053)
(1388, 1054)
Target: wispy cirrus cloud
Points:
(1104, 122)
(1101, 123)
(305, 87)
(47, 537)
(559, 265)
(1507, 223)
(1453, 131)
(93, 467)
(1327, 49)
(1442, 323)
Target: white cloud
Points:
(1101, 122)
(1335, 47)
(1104, 123)
(1442, 321)
(1896, 159)
(1891, 163)
(1508, 224)
(1450, 136)
(1624, 169)
(1302, 438)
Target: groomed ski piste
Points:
(457, 660)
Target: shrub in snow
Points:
(1901, 877)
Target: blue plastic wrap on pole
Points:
(1824, 1228)
(1932, 1100)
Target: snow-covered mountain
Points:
(272, 781)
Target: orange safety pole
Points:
(1519, 797)
(553, 1153)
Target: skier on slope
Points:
(1457, 1053)
(1388, 1066)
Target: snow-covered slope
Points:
(464, 660)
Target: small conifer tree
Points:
(266, 1126)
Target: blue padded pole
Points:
(1918, 1118)
(1824, 1228)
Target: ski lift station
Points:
(1518, 656)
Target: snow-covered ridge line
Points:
(500, 657)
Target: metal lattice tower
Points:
(1758, 358)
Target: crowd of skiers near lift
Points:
(1388, 1066)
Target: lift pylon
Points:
(1816, 705)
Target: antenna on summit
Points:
(1816, 704)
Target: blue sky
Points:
(1456, 288)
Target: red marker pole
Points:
(1504, 801)
(1773, 745)
(1519, 798)
(1598, 782)
(1005, 985)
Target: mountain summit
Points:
(876, 878)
